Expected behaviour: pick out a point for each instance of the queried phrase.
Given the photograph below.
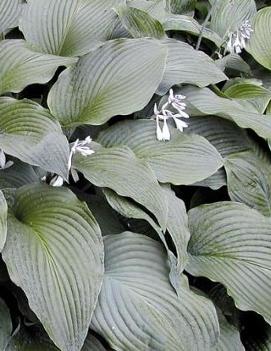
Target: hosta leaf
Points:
(21, 66)
(120, 77)
(187, 65)
(180, 6)
(139, 23)
(184, 160)
(70, 27)
(190, 25)
(54, 252)
(249, 181)
(233, 62)
(29, 133)
(9, 14)
(137, 307)
(119, 169)
(231, 243)
(155, 8)
(215, 182)
(177, 227)
(92, 344)
(228, 15)
(5, 325)
(205, 102)
(259, 45)
(3, 221)
(258, 343)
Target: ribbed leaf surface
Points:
(3, 221)
(30, 134)
(185, 160)
(118, 78)
(92, 344)
(119, 169)
(9, 14)
(231, 243)
(21, 66)
(137, 307)
(70, 27)
(187, 65)
(54, 252)
(18, 175)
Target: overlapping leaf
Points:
(21, 66)
(187, 65)
(29, 133)
(3, 220)
(92, 344)
(119, 169)
(186, 159)
(70, 27)
(5, 325)
(231, 243)
(118, 78)
(138, 309)
(54, 252)
(9, 14)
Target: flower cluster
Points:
(175, 102)
(237, 40)
(79, 146)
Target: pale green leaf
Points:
(138, 309)
(21, 66)
(187, 65)
(119, 169)
(180, 6)
(92, 344)
(5, 325)
(70, 27)
(228, 15)
(259, 45)
(184, 160)
(233, 62)
(139, 23)
(249, 181)
(155, 8)
(3, 220)
(118, 78)
(9, 14)
(231, 244)
(29, 133)
(54, 252)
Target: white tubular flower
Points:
(176, 102)
(3, 161)
(161, 134)
(82, 147)
(57, 181)
(237, 40)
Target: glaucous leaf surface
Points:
(3, 220)
(137, 307)
(118, 78)
(187, 65)
(180, 6)
(5, 325)
(9, 14)
(70, 27)
(30, 133)
(92, 344)
(54, 252)
(231, 244)
(119, 169)
(21, 66)
(186, 159)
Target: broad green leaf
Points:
(70, 27)
(139, 310)
(177, 227)
(229, 336)
(139, 23)
(92, 344)
(233, 62)
(259, 45)
(180, 6)
(29, 133)
(215, 182)
(119, 169)
(5, 325)
(228, 15)
(18, 175)
(118, 78)
(3, 220)
(54, 252)
(9, 14)
(184, 160)
(249, 181)
(21, 66)
(155, 8)
(205, 102)
(190, 25)
(231, 244)
(187, 65)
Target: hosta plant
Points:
(135, 175)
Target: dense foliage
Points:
(135, 175)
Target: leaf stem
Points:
(204, 24)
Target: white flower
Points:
(3, 161)
(82, 147)
(57, 181)
(237, 40)
(176, 102)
